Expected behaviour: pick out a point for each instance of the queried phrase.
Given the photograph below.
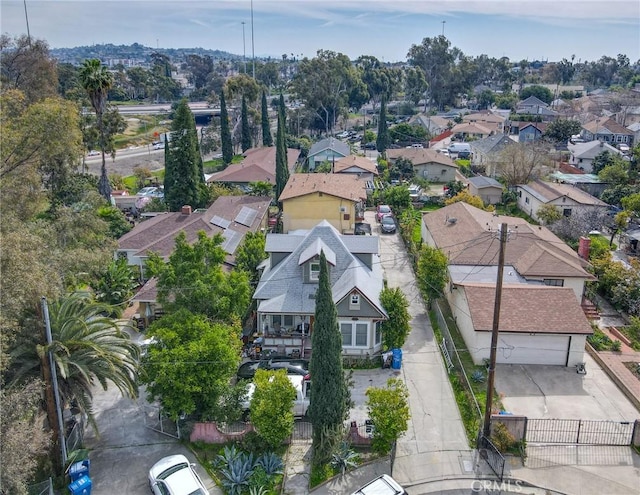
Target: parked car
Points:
(175, 475)
(247, 370)
(93, 153)
(158, 146)
(388, 224)
(381, 211)
(382, 485)
(371, 145)
(464, 155)
(343, 134)
(151, 192)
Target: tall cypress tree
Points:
(330, 398)
(184, 181)
(225, 132)
(245, 129)
(282, 164)
(283, 110)
(267, 139)
(383, 138)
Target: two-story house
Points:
(327, 150)
(582, 154)
(287, 289)
(541, 319)
(608, 131)
(427, 163)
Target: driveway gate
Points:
(579, 431)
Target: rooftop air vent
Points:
(452, 220)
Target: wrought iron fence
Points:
(302, 431)
(579, 431)
(492, 456)
(75, 437)
(232, 428)
(43, 488)
(156, 420)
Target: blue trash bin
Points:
(396, 361)
(81, 486)
(79, 469)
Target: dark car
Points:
(388, 224)
(382, 210)
(247, 370)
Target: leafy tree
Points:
(614, 195)
(602, 160)
(190, 364)
(561, 130)
(242, 85)
(389, 411)
(407, 133)
(225, 132)
(184, 175)
(486, 98)
(541, 92)
(246, 130)
(383, 139)
(454, 187)
(199, 68)
(619, 283)
(251, 253)
(549, 213)
(432, 272)
(97, 80)
(578, 224)
(261, 188)
(118, 224)
(330, 398)
(267, 140)
(396, 329)
(415, 84)
(272, 406)
(615, 174)
(402, 169)
(632, 203)
(193, 279)
(466, 197)
(282, 164)
(397, 197)
(115, 285)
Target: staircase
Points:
(590, 310)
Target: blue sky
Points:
(518, 29)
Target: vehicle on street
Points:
(151, 192)
(464, 155)
(417, 145)
(415, 192)
(455, 148)
(343, 134)
(158, 146)
(381, 211)
(301, 403)
(247, 370)
(387, 224)
(382, 485)
(93, 153)
(371, 145)
(175, 475)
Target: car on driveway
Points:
(175, 475)
(247, 370)
(387, 224)
(381, 211)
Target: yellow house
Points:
(307, 199)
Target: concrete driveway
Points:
(540, 391)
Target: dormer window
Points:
(354, 301)
(314, 270)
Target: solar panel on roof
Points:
(246, 216)
(231, 240)
(220, 222)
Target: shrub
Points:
(616, 346)
(502, 438)
(344, 458)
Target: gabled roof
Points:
(282, 288)
(355, 164)
(259, 164)
(540, 126)
(591, 149)
(527, 309)
(467, 235)
(482, 182)
(484, 116)
(492, 144)
(532, 101)
(599, 126)
(330, 143)
(231, 216)
(468, 128)
(550, 191)
(344, 186)
(421, 156)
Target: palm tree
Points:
(97, 80)
(88, 348)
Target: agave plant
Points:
(237, 473)
(229, 454)
(477, 376)
(258, 490)
(344, 458)
(271, 463)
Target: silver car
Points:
(175, 475)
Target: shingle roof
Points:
(492, 144)
(469, 128)
(344, 186)
(420, 156)
(480, 182)
(598, 125)
(591, 149)
(527, 309)
(467, 235)
(550, 191)
(332, 144)
(259, 164)
(355, 161)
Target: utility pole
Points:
(443, 23)
(54, 382)
(486, 431)
(244, 49)
(26, 15)
(253, 51)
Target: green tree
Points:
(602, 160)
(97, 80)
(267, 140)
(282, 163)
(115, 285)
(330, 398)
(114, 217)
(261, 188)
(250, 254)
(561, 130)
(397, 197)
(245, 128)
(190, 364)
(615, 174)
(225, 132)
(389, 411)
(193, 279)
(549, 213)
(272, 406)
(396, 328)
(184, 176)
(432, 272)
(541, 92)
(466, 197)
(632, 203)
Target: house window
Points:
(526, 200)
(354, 301)
(553, 282)
(566, 212)
(444, 171)
(314, 270)
(519, 194)
(354, 334)
(426, 173)
(347, 334)
(378, 337)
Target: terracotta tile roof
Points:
(420, 156)
(345, 186)
(355, 161)
(439, 137)
(527, 309)
(467, 235)
(259, 164)
(554, 190)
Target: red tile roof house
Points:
(541, 319)
(231, 216)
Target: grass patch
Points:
(320, 474)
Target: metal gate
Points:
(579, 431)
(490, 453)
(156, 420)
(302, 431)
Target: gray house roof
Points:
(282, 288)
(591, 149)
(480, 182)
(330, 143)
(491, 144)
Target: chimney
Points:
(584, 247)
(186, 210)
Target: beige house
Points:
(487, 119)
(468, 131)
(489, 189)
(361, 166)
(427, 163)
(307, 199)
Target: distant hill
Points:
(138, 54)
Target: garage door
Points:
(533, 349)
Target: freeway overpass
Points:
(199, 109)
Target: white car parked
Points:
(175, 475)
